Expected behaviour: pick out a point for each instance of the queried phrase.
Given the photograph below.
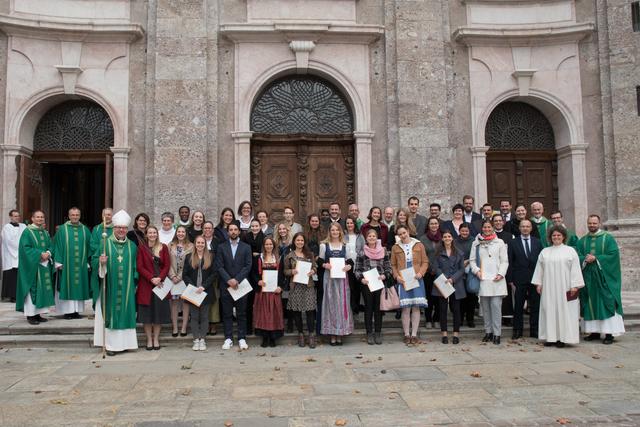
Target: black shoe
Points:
(265, 342)
(445, 340)
(560, 344)
(148, 348)
(549, 344)
(272, 342)
(68, 316)
(487, 338)
(608, 339)
(33, 320)
(592, 337)
(41, 319)
(533, 334)
(516, 334)
(377, 338)
(456, 340)
(496, 340)
(471, 324)
(370, 339)
(398, 314)
(77, 315)
(174, 334)
(184, 334)
(156, 348)
(111, 353)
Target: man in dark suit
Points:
(334, 216)
(418, 220)
(487, 215)
(523, 256)
(233, 263)
(469, 215)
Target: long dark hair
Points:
(440, 248)
(224, 211)
(305, 249)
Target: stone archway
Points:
(521, 161)
(302, 148)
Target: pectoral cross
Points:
(119, 258)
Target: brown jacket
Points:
(398, 261)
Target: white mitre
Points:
(121, 219)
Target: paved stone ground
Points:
(392, 384)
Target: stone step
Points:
(390, 334)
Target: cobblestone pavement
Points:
(354, 385)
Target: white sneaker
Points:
(196, 345)
(203, 345)
(228, 343)
(243, 344)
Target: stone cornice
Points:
(287, 32)
(518, 35)
(13, 25)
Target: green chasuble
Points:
(601, 297)
(572, 239)
(121, 279)
(33, 278)
(96, 245)
(71, 249)
(543, 225)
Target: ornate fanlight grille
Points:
(74, 125)
(518, 126)
(301, 105)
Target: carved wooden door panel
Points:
(523, 177)
(305, 175)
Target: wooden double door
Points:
(307, 174)
(523, 177)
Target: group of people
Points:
(270, 278)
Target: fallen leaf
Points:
(37, 392)
(379, 357)
(261, 354)
(619, 366)
(310, 359)
(595, 356)
(98, 366)
(582, 402)
(341, 422)
(242, 363)
(348, 363)
(586, 376)
(186, 392)
(228, 423)
(59, 402)
(563, 421)
(422, 350)
(185, 367)
(475, 374)
(356, 391)
(384, 371)
(571, 372)
(277, 368)
(432, 360)
(359, 356)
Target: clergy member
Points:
(601, 298)
(71, 258)
(557, 219)
(96, 244)
(542, 223)
(11, 233)
(34, 294)
(115, 263)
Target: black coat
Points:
(255, 242)
(190, 277)
(453, 268)
(521, 268)
(229, 267)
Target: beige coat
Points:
(493, 251)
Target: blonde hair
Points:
(175, 241)
(276, 235)
(157, 246)
(411, 228)
(206, 256)
(328, 239)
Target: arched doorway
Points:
(71, 163)
(522, 159)
(302, 147)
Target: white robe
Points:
(166, 236)
(557, 271)
(10, 243)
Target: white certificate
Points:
(178, 288)
(163, 290)
(303, 268)
(190, 294)
(409, 277)
(489, 270)
(243, 288)
(373, 277)
(443, 286)
(337, 265)
(270, 279)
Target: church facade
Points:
(149, 105)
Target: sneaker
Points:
(228, 343)
(196, 345)
(243, 344)
(203, 345)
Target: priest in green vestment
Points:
(542, 224)
(601, 298)
(71, 258)
(96, 244)
(558, 220)
(34, 293)
(115, 263)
